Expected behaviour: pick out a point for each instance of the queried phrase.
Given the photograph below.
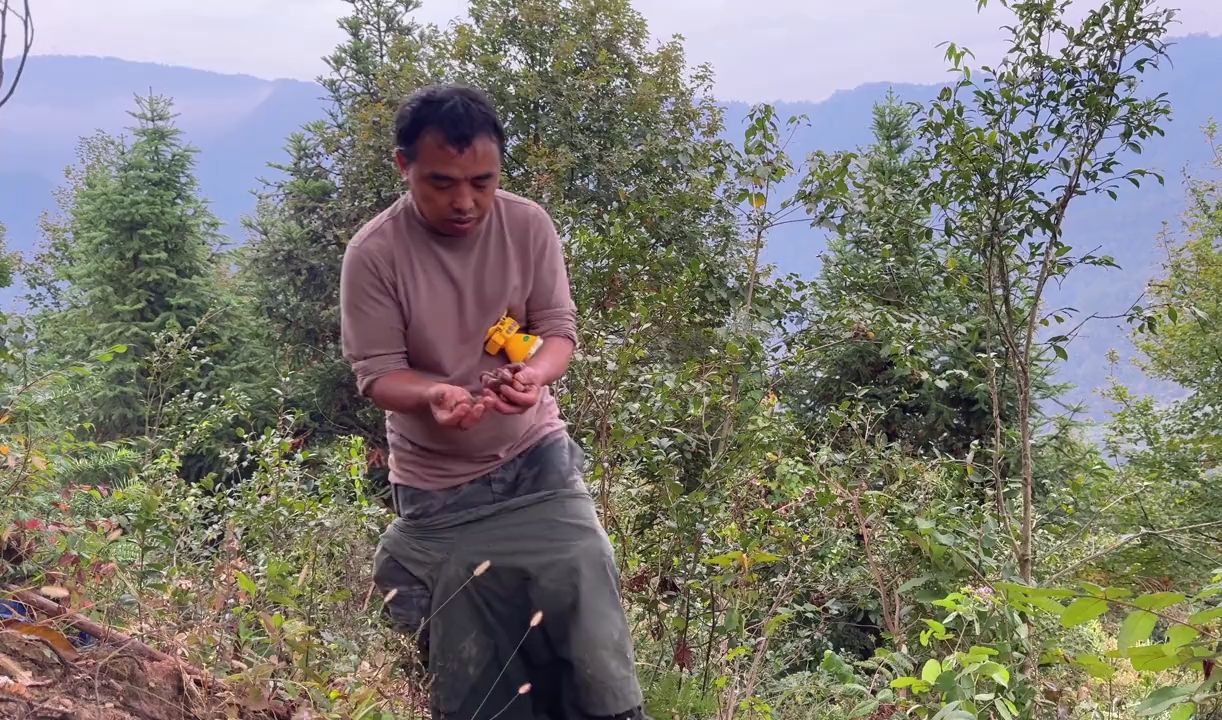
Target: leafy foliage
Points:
(839, 498)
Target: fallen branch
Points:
(105, 635)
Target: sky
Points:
(763, 50)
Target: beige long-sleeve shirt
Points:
(413, 299)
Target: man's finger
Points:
(471, 420)
(505, 408)
(525, 398)
(452, 415)
(451, 400)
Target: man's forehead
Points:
(451, 174)
(481, 156)
(478, 145)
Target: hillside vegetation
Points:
(850, 495)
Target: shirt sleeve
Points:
(373, 330)
(550, 306)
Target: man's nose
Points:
(463, 199)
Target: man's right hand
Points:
(454, 407)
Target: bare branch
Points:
(27, 43)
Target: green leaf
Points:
(1158, 601)
(1002, 710)
(903, 682)
(1179, 636)
(1206, 616)
(1183, 711)
(999, 674)
(1046, 604)
(775, 622)
(1162, 699)
(1136, 629)
(1060, 352)
(1151, 659)
(936, 629)
(953, 712)
(865, 707)
(931, 671)
(1096, 667)
(1083, 610)
(247, 585)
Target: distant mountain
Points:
(1127, 229)
(240, 123)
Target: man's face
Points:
(453, 190)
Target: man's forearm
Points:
(552, 360)
(403, 391)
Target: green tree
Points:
(45, 274)
(1012, 147)
(598, 120)
(1168, 521)
(339, 174)
(139, 263)
(887, 323)
(638, 158)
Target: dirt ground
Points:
(42, 679)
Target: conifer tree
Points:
(893, 328)
(139, 263)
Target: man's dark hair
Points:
(461, 114)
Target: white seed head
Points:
(538, 618)
(482, 568)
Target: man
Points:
(496, 559)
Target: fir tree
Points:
(139, 264)
(895, 329)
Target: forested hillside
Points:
(847, 489)
(239, 125)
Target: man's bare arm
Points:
(403, 391)
(552, 360)
(407, 391)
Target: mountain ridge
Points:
(239, 123)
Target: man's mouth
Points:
(463, 223)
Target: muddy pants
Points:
(532, 523)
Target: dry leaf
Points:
(54, 592)
(114, 535)
(14, 670)
(8, 686)
(4, 449)
(38, 461)
(51, 636)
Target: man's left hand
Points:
(520, 394)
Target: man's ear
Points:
(402, 162)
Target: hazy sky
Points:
(760, 50)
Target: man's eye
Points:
(443, 184)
